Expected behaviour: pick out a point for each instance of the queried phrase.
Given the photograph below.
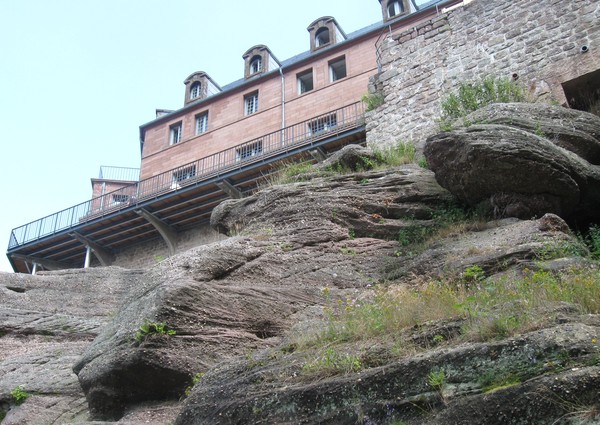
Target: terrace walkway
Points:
(174, 201)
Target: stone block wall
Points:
(537, 41)
(149, 253)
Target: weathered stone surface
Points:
(374, 204)
(494, 246)
(573, 130)
(516, 172)
(236, 305)
(229, 297)
(46, 322)
(270, 389)
(350, 157)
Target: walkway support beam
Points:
(37, 261)
(168, 234)
(103, 255)
(232, 191)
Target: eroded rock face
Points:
(242, 294)
(521, 160)
(46, 323)
(270, 390)
(234, 304)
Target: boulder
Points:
(350, 158)
(522, 167)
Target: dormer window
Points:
(196, 90)
(394, 8)
(391, 9)
(255, 65)
(322, 37)
(325, 31)
(258, 60)
(199, 86)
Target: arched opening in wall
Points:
(583, 93)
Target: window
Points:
(195, 90)
(322, 37)
(337, 69)
(305, 81)
(202, 123)
(322, 124)
(255, 64)
(251, 103)
(119, 199)
(183, 174)
(395, 8)
(249, 150)
(175, 133)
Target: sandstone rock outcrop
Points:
(46, 323)
(522, 160)
(237, 306)
(237, 295)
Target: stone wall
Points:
(149, 253)
(537, 41)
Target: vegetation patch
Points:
(19, 395)
(373, 100)
(149, 328)
(195, 380)
(488, 310)
(472, 96)
(332, 362)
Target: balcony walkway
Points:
(174, 201)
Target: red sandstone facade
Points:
(273, 95)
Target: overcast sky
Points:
(78, 78)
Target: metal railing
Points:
(270, 145)
(119, 173)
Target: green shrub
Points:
(19, 395)
(373, 100)
(475, 95)
(437, 379)
(152, 328)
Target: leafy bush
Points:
(19, 395)
(152, 328)
(475, 95)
